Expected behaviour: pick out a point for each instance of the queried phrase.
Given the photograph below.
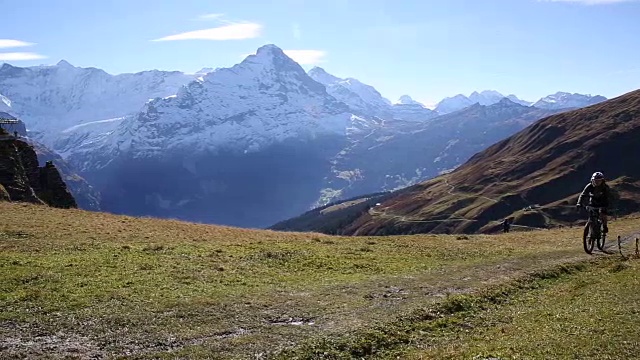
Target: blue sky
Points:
(428, 49)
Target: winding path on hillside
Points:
(452, 218)
(404, 218)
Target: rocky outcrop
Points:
(53, 189)
(23, 180)
(87, 197)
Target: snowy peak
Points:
(268, 58)
(506, 102)
(367, 92)
(270, 50)
(360, 97)
(517, 100)
(205, 71)
(52, 98)
(561, 100)
(454, 103)
(486, 97)
(407, 109)
(320, 75)
(265, 99)
(268, 69)
(64, 64)
(271, 55)
(407, 100)
(10, 70)
(366, 100)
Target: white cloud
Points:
(20, 56)
(9, 43)
(306, 57)
(297, 33)
(210, 16)
(590, 2)
(236, 31)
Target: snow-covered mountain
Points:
(407, 109)
(265, 99)
(516, 100)
(459, 102)
(85, 137)
(559, 100)
(563, 100)
(486, 97)
(360, 97)
(426, 149)
(5, 103)
(407, 100)
(204, 71)
(451, 104)
(365, 100)
(53, 98)
(246, 145)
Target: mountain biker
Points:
(598, 192)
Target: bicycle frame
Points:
(596, 220)
(594, 227)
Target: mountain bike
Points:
(593, 230)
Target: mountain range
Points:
(54, 98)
(559, 100)
(252, 144)
(533, 177)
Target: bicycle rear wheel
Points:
(587, 240)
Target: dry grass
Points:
(81, 283)
(592, 314)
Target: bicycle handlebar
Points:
(588, 207)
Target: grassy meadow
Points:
(82, 284)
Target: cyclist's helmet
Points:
(597, 178)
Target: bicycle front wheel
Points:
(587, 240)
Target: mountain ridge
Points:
(541, 168)
(267, 105)
(533, 155)
(55, 97)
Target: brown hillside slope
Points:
(546, 164)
